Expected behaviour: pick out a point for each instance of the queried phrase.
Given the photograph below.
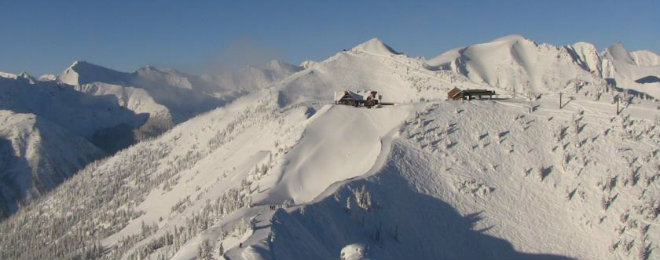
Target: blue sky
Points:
(47, 36)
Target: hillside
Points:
(166, 93)
(169, 96)
(282, 173)
(82, 114)
(35, 156)
(50, 131)
(109, 109)
(490, 180)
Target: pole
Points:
(617, 105)
(560, 100)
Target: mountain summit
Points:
(375, 46)
(82, 72)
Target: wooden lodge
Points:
(367, 99)
(469, 94)
(348, 98)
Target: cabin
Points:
(469, 94)
(348, 98)
(367, 99)
(455, 94)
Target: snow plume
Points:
(240, 53)
(246, 65)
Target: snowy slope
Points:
(626, 70)
(137, 100)
(187, 146)
(182, 95)
(317, 150)
(645, 58)
(169, 89)
(48, 132)
(35, 156)
(283, 173)
(514, 63)
(504, 184)
(108, 108)
(82, 72)
(23, 76)
(82, 114)
(369, 66)
(518, 64)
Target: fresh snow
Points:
(36, 156)
(313, 162)
(282, 173)
(645, 58)
(622, 67)
(110, 109)
(375, 45)
(520, 65)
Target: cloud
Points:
(239, 53)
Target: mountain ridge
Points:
(516, 63)
(108, 108)
(281, 172)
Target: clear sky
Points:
(47, 36)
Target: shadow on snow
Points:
(401, 224)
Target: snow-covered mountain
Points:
(282, 173)
(518, 64)
(166, 93)
(627, 69)
(645, 58)
(172, 95)
(371, 65)
(84, 115)
(109, 109)
(35, 156)
(47, 135)
(23, 76)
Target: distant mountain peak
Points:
(82, 65)
(22, 75)
(47, 77)
(619, 52)
(584, 46)
(375, 45)
(82, 72)
(512, 37)
(8, 75)
(78, 62)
